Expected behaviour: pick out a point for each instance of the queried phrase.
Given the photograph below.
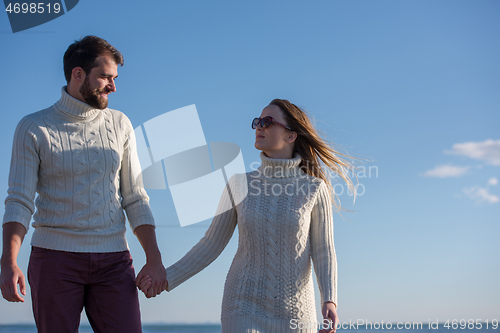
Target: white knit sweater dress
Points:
(284, 222)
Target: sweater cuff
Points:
(174, 277)
(142, 220)
(139, 213)
(329, 297)
(16, 212)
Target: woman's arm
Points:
(323, 251)
(205, 252)
(210, 246)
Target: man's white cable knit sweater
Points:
(284, 221)
(81, 161)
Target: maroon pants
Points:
(63, 283)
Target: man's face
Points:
(100, 82)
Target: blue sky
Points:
(411, 86)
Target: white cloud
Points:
(481, 194)
(493, 181)
(445, 171)
(488, 151)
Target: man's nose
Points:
(111, 85)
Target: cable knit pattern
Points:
(284, 223)
(80, 161)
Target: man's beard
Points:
(93, 97)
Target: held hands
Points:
(10, 276)
(154, 268)
(154, 276)
(145, 283)
(329, 312)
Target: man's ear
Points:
(291, 138)
(78, 75)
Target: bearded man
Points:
(81, 159)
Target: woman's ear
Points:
(291, 137)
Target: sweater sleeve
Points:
(23, 176)
(135, 200)
(209, 247)
(322, 246)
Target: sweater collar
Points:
(280, 168)
(75, 108)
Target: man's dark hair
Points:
(84, 53)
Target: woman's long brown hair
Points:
(313, 149)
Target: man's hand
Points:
(329, 312)
(154, 268)
(10, 276)
(156, 275)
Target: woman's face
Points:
(274, 140)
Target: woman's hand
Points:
(144, 283)
(329, 312)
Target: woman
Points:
(284, 221)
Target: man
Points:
(80, 157)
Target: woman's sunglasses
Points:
(266, 122)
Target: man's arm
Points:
(19, 206)
(135, 201)
(154, 267)
(11, 274)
